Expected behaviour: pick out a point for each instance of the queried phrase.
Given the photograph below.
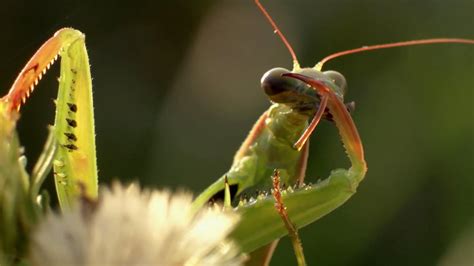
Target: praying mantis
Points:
(304, 205)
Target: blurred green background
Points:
(176, 89)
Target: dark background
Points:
(176, 89)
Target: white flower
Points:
(130, 227)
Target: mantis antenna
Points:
(276, 30)
(320, 64)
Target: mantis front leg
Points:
(75, 168)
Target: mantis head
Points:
(296, 93)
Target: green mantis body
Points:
(268, 146)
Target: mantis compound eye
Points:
(338, 79)
(273, 83)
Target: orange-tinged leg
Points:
(314, 122)
(37, 67)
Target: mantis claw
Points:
(314, 122)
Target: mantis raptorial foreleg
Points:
(74, 162)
